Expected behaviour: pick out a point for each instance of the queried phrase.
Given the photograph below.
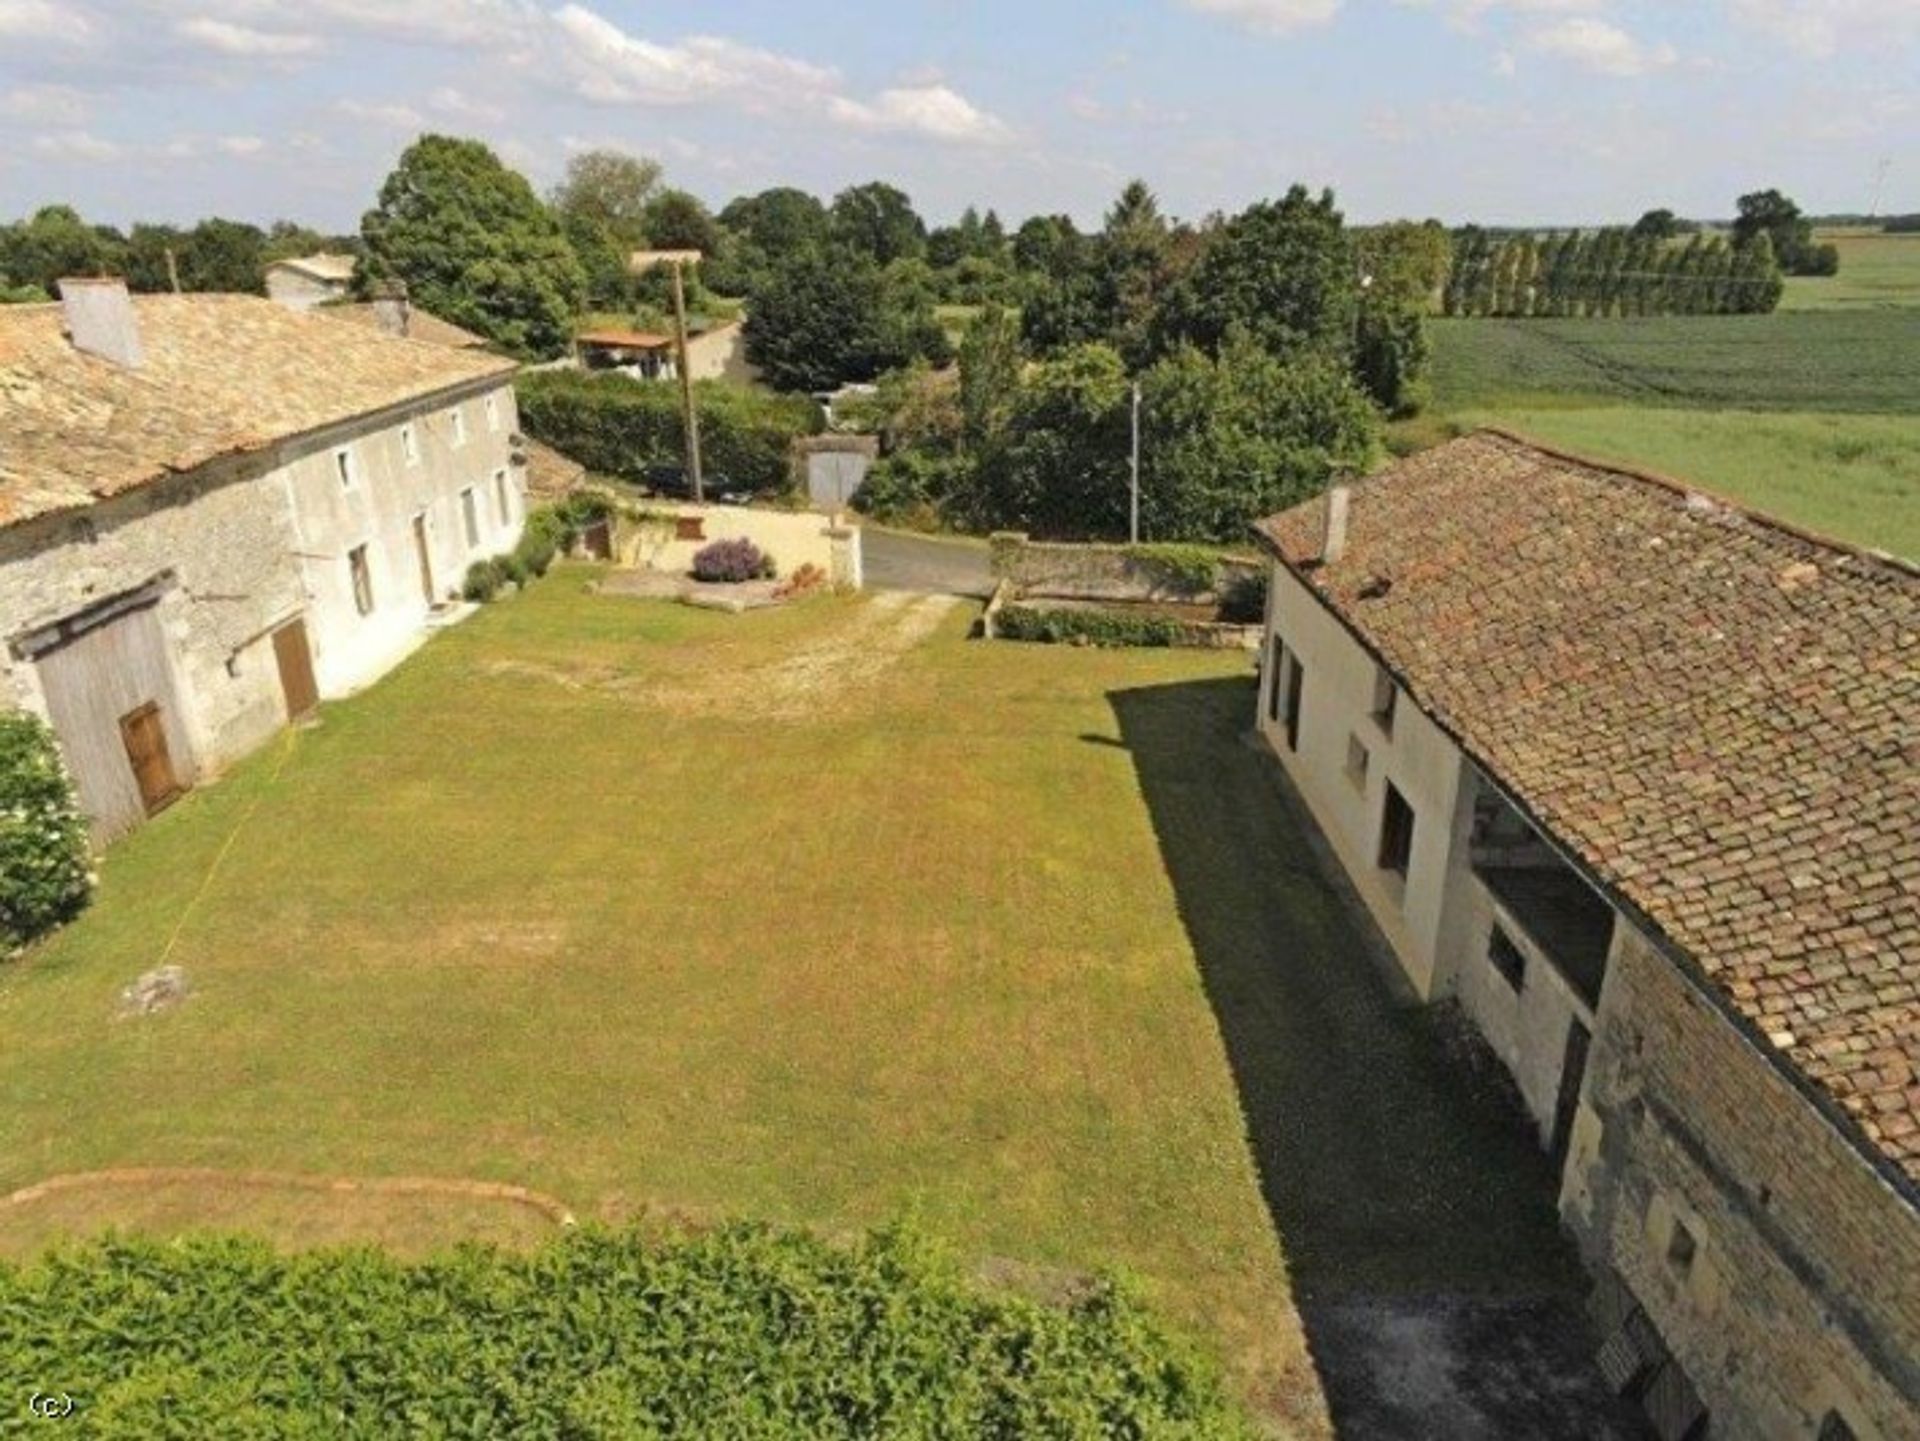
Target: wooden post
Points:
(688, 417)
(173, 271)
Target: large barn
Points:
(215, 511)
(1629, 774)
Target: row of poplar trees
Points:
(1608, 272)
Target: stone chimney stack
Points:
(392, 310)
(1333, 543)
(100, 319)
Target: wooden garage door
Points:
(111, 697)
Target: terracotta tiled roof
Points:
(221, 374)
(420, 324)
(625, 339)
(1714, 712)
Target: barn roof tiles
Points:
(1714, 712)
(220, 375)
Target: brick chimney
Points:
(392, 311)
(1333, 541)
(100, 319)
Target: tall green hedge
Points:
(619, 427)
(744, 1333)
(44, 871)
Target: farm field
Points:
(1877, 271)
(1806, 415)
(820, 915)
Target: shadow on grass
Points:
(1404, 1194)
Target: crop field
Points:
(1862, 362)
(1805, 414)
(1877, 271)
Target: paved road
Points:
(907, 562)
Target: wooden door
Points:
(96, 668)
(1573, 1070)
(143, 731)
(425, 557)
(295, 660)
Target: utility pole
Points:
(173, 271)
(1133, 518)
(690, 420)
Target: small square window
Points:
(343, 467)
(410, 445)
(470, 517)
(361, 575)
(458, 419)
(1505, 957)
(1681, 1248)
(1396, 832)
(1386, 698)
(1357, 762)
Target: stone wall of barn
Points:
(1780, 1268)
(217, 546)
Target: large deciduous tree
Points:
(475, 246)
(878, 220)
(821, 318)
(1280, 271)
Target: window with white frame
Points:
(457, 418)
(502, 497)
(410, 444)
(360, 576)
(470, 516)
(343, 467)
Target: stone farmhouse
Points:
(215, 511)
(1630, 774)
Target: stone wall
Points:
(1803, 1292)
(1106, 572)
(224, 537)
(670, 533)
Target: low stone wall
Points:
(1115, 572)
(665, 535)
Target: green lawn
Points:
(820, 915)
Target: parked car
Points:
(671, 481)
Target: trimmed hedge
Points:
(1089, 627)
(620, 427)
(745, 1333)
(45, 873)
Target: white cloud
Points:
(48, 104)
(234, 39)
(1821, 28)
(462, 23)
(1505, 65)
(1273, 16)
(240, 145)
(447, 100)
(75, 145)
(42, 20)
(1599, 46)
(400, 117)
(931, 110)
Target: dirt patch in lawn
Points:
(830, 665)
(409, 1215)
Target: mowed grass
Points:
(1804, 415)
(501, 918)
(1877, 271)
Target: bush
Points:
(1243, 599)
(1086, 627)
(621, 427)
(484, 579)
(44, 875)
(743, 1332)
(909, 487)
(732, 560)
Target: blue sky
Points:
(1551, 111)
